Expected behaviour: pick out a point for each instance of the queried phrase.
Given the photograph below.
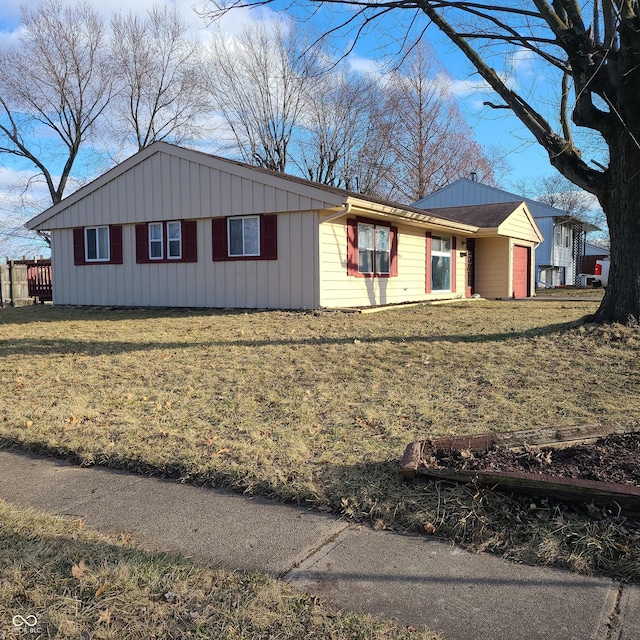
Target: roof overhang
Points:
(361, 206)
(586, 226)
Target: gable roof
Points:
(502, 218)
(314, 196)
(465, 192)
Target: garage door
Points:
(521, 271)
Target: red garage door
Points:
(521, 274)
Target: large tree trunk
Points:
(621, 204)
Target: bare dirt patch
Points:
(615, 458)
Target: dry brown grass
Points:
(79, 584)
(318, 408)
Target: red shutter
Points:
(352, 247)
(219, 229)
(428, 263)
(142, 246)
(189, 241)
(115, 240)
(78, 246)
(269, 237)
(393, 269)
(454, 255)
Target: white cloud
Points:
(361, 64)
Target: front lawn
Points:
(318, 408)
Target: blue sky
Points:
(524, 159)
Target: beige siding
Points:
(168, 187)
(492, 267)
(519, 225)
(337, 289)
(291, 281)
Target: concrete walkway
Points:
(415, 581)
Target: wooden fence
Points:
(22, 282)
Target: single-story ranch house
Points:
(174, 227)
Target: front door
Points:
(471, 266)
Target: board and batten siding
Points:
(290, 282)
(168, 187)
(337, 289)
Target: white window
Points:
(440, 264)
(374, 248)
(558, 235)
(174, 240)
(155, 241)
(244, 236)
(96, 244)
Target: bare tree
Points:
(258, 82)
(588, 50)
(556, 191)
(55, 80)
(342, 116)
(159, 70)
(433, 144)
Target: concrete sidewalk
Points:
(415, 581)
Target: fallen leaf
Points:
(78, 570)
(100, 591)
(105, 616)
(429, 528)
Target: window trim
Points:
(439, 253)
(80, 243)
(151, 242)
(170, 240)
(243, 254)
(353, 253)
(97, 229)
(188, 242)
(453, 254)
(268, 238)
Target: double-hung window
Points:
(371, 248)
(440, 264)
(156, 241)
(174, 240)
(243, 236)
(96, 244)
(374, 248)
(162, 242)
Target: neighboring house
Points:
(175, 227)
(558, 258)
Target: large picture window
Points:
(244, 236)
(440, 264)
(371, 248)
(253, 237)
(96, 244)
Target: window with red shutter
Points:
(173, 241)
(252, 237)
(372, 248)
(97, 245)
